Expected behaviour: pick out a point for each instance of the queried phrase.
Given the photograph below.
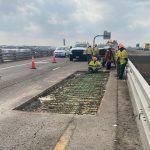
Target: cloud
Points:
(75, 20)
(84, 12)
(28, 9)
(33, 28)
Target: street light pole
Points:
(95, 38)
(106, 35)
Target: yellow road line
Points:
(65, 138)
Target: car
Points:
(78, 51)
(61, 51)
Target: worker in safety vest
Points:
(96, 51)
(123, 59)
(117, 60)
(108, 58)
(89, 53)
(94, 65)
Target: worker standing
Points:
(117, 52)
(94, 65)
(89, 53)
(108, 58)
(96, 51)
(123, 59)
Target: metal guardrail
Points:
(17, 55)
(140, 95)
(1, 57)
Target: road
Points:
(15, 72)
(49, 131)
(142, 63)
(19, 83)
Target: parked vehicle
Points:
(78, 51)
(61, 51)
(146, 46)
(102, 55)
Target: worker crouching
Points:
(94, 65)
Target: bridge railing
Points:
(1, 57)
(22, 55)
(140, 95)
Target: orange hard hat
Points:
(120, 45)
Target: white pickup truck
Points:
(78, 51)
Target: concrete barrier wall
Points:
(22, 55)
(1, 58)
(140, 95)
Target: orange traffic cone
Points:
(33, 63)
(53, 58)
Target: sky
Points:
(48, 22)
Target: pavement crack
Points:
(41, 127)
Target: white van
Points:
(61, 51)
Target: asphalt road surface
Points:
(49, 131)
(16, 72)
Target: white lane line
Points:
(42, 61)
(56, 68)
(14, 66)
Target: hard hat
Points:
(120, 45)
(94, 58)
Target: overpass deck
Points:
(113, 127)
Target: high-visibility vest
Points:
(123, 56)
(95, 51)
(95, 64)
(117, 54)
(108, 55)
(89, 50)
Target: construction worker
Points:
(70, 47)
(123, 59)
(94, 65)
(96, 51)
(117, 60)
(89, 53)
(108, 58)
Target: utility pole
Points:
(64, 42)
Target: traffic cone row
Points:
(33, 65)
